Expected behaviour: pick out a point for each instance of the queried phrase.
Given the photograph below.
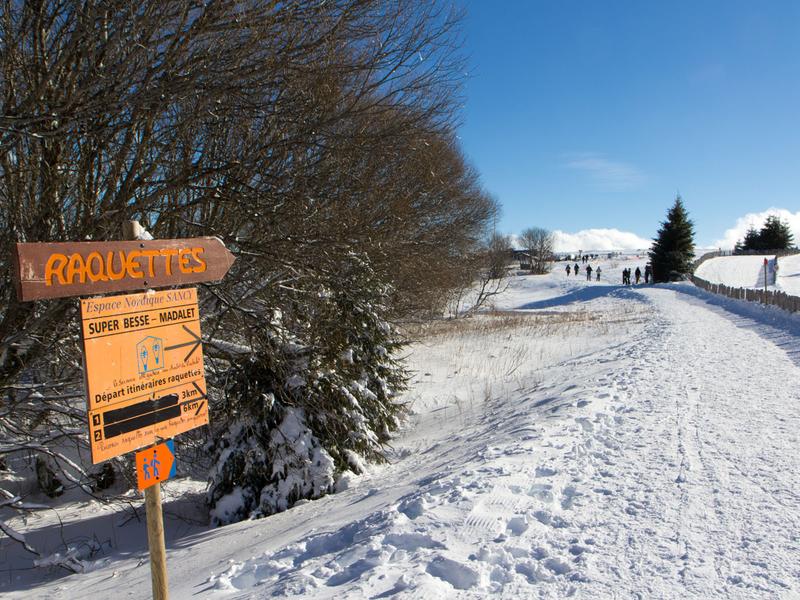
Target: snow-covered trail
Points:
(646, 446)
(661, 464)
(704, 501)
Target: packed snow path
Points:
(705, 489)
(647, 449)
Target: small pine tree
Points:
(775, 235)
(751, 241)
(319, 399)
(672, 252)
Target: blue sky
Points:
(593, 114)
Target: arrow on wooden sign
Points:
(61, 269)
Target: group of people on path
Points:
(626, 275)
(588, 271)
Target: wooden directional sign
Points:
(143, 364)
(155, 464)
(56, 270)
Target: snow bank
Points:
(737, 271)
(789, 274)
(748, 272)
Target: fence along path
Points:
(774, 297)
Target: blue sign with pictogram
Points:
(150, 354)
(156, 464)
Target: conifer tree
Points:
(775, 235)
(672, 252)
(751, 241)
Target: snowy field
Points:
(748, 272)
(583, 440)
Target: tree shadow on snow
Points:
(112, 535)
(585, 294)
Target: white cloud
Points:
(589, 240)
(608, 174)
(756, 220)
(599, 239)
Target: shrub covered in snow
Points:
(316, 401)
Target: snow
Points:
(789, 274)
(583, 439)
(748, 272)
(738, 271)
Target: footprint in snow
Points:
(558, 565)
(570, 493)
(545, 472)
(577, 549)
(517, 525)
(459, 575)
(545, 518)
(411, 542)
(413, 508)
(542, 492)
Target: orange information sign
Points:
(143, 364)
(155, 465)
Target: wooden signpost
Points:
(61, 269)
(143, 357)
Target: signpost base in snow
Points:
(155, 540)
(152, 506)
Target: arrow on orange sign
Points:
(195, 343)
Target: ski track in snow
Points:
(661, 462)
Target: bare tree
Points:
(315, 138)
(498, 256)
(493, 279)
(489, 267)
(538, 243)
(528, 240)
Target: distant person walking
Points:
(599, 270)
(588, 272)
(569, 270)
(577, 269)
(624, 276)
(648, 273)
(637, 274)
